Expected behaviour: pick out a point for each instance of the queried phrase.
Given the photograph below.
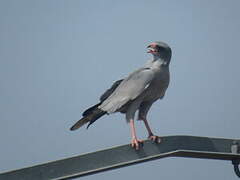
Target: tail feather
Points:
(80, 123)
(93, 113)
(89, 118)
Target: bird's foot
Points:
(136, 143)
(154, 138)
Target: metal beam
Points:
(120, 156)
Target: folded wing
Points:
(129, 89)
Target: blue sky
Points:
(57, 57)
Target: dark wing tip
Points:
(90, 110)
(90, 123)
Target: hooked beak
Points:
(151, 49)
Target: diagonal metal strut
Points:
(120, 156)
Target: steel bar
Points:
(120, 156)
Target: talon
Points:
(135, 143)
(155, 139)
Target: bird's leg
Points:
(151, 137)
(135, 143)
(142, 115)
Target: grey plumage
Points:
(109, 91)
(93, 113)
(138, 91)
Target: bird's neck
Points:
(159, 61)
(156, 57)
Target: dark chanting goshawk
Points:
(138, 91)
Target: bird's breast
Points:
(159, 84)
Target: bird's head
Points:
(160, 50)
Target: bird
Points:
(136, 92)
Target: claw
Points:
(155, 139)
(135, 143)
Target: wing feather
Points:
(104, 96)
(129, 89)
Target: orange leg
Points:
(152, 137)
(135, 143)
